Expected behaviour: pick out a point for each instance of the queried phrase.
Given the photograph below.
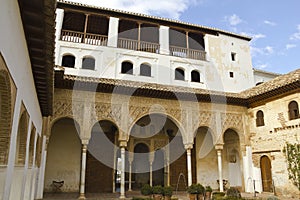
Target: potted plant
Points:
(200, 191)
(208, 191)
(146, 190)
(157, 191)
(168, 192)
(193, 191)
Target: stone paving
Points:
(129, 195)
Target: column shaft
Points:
(219, 152)
(122, 189)
(83, 169)
(189, 166)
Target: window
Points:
(68, 61)
(145, 70)
(88, 63)
(260, 118)
(293, 110)
(179, 74)
(127, 68)
(233, 56)
(195, 76)
(231, 74)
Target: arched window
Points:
(127, 68)
(195, 76)
(5, 114)
(88, 63)
(145, 70)
(293, 110)
(21, 140)
(260, 118)
(68, 61)
(179, 74)
(31, 147)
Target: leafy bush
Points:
(233, 192)
(157, 189)
(146, 190)
(272, 198)
(141, 198)
(192, 189)
(292, 153)
(208, 189)
(218, 195)
(200, 188)
(168, 191)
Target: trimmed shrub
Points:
(146, 190)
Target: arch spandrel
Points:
(233, 121)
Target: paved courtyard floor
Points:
(129, 195)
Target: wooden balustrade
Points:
(187, 53)
(71, 36)
(101, 40)
(138, 45)
(94, 39)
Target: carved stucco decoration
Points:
(232, 120)
(65, 108)
(108, 111)
(158, 144)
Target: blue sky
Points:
(274, 25)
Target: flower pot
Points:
(200, 197)
(207, 195)
(167, 198)
(157, 196)
(193, 196)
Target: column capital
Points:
(85, 141)
(219, 147)
(123, 143)
(188, 146)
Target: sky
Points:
(274, 25)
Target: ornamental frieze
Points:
(232, 120)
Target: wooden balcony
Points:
(80, 37)
(138, 45)
(187, 53)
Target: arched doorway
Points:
(101, 158)
(266, 173)
(64, 156)
(141, 170)
(158, 170)
(206, 158)
(232, 168)
(166, 157)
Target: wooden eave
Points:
(38, 18)
(98, 85)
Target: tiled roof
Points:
(156, 18)
(274, 84)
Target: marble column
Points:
(189, 163)
(83, 169)
(122, 187)
(151, 159)
(219, 149)
(130, 159)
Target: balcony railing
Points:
(187, 53)
(79, 37)
(138, 45)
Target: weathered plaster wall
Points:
(63, 157)
(271, 138)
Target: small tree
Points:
(146, 190)
(292, 153)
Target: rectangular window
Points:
(233, 56)
(231, 74)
